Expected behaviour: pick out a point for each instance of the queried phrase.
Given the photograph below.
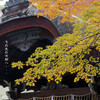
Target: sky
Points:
(3, 2)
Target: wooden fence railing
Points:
(67, 97)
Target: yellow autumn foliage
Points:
(70, 53)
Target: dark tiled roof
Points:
(58, 92)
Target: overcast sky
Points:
(3, 2)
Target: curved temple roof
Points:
(31, 21)
(16, 9)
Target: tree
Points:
(65, 8)
(68, 54)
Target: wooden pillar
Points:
(51, 97)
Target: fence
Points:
(67, 97)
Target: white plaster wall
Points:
(3, 95)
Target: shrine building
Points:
(21, 32)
